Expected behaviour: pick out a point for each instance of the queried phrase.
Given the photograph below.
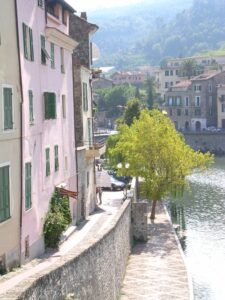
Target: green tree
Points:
(132, 111)
(157, 153)
(150, 91)
(189, 67)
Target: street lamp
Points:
(126, 166)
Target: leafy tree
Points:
(189, 67)
(132, 111)
(150, 90)
(157, 153)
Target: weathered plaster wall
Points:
(207, 141)
(92, 271)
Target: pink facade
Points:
(45, 133)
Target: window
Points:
(179, 102)
(223, 107)
(171, 83)
(178, 112)
(31, 108)
(8, 108)
(197, 112)
(171, 72)
(4, 194)
(167, 73)
(41, 3)
(197, 87)
(177, 72)
(50, 105)
(88, 179)
(64, 106)
(187, 101)
(28, 43)
(85, 98)
(197, 100)
(89, 131)
(56, 150)
(170, 101)
(47, 162)
(166, 85)
(62, 60)
(44, 53)
(210, 88)
(171, 112)
(186, 112)
(52, 55)
(28, 185)
(210, 105)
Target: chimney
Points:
(83, 15)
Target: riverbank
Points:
(157, 269)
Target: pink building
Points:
(48, 115)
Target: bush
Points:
(57, 220)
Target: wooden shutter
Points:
(8, 113)
(50, 105)
(31, 109)
(28, 185)
(43, 56)
(25, 40)
(4, 194)
(31, 45)
(56, 148)
(52, 56)
(47, 157)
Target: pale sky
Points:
(88, 5)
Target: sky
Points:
(90, 5)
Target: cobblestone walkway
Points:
(156, 269)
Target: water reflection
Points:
(200, 224)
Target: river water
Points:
(200, 216)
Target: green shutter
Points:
(31, 109)
(52, 56)
(25, 40)
(50, 105)
(28, 185)
(8, 112)
(47, 158)
(31, 45)
(43, 57)
(56, 148)
(4, 194)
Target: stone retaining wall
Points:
(206, 141)
(94, 270)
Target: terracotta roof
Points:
(183, 84)
(205, 76)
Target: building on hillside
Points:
(48, 136)
(221, 106)
(192, 104)
(81, 30)
(172, 72)
(10, 133)
(102, 83)
(136, 78)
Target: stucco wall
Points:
(92, 271)
(207, 141)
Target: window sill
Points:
(5, 221)
(54, 19)
(31, 123)
(27, 210)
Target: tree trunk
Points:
(152, 217)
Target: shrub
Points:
(57, 219)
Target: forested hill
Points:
(153, 30)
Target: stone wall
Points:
(207, 141)
(140, 221)
(94, 270)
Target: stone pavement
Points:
(156, 270)
(95, 223)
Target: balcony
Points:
(96, 149)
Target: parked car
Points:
(116, 184)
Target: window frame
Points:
(28, 45)
(48, 114)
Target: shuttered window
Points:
(28, 43)
(43, 56)
(62, 60)
(31, 108)
(85, 98)
(4, 194)
(47, 162)
(56, 150)
(52, 55)
(8, 108)
(28, 185)
(50, 105)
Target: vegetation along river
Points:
(200, 216)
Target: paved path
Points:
(95, 223)
(156, 270)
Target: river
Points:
(200, 216)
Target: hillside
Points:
(149, 32)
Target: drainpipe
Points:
(21, 129)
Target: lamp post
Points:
(126, 167)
